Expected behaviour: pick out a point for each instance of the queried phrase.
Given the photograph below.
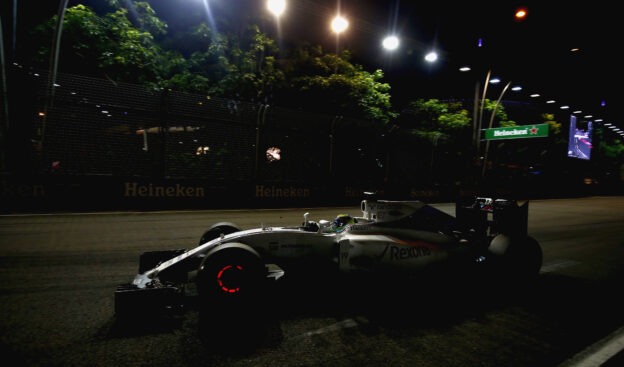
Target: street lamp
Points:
(390, 43)
(431, 56)
(339, 24)
(276, 7)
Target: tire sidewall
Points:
(216, 230)
(251, 276)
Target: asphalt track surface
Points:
(58, 273)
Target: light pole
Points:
(481, 100)
(487, 143)
(477, 116)
(54, 56)
(4, 121)
(434, 143)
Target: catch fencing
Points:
(90, 126)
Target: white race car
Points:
(406, 238)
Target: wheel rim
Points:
(230, 278)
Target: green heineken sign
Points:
(516, 132)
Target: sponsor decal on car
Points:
(360, 227)
(404, 252)
(401, 253)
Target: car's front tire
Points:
(231, 283)
(218, 229)
(230, 275)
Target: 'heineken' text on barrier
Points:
(134, 189)
(281, 192)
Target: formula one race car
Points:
(231, 266)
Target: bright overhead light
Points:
(277, 7)
(521, 13)
(339, 24)
(431, 56)
(391, 43)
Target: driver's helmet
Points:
(341, 221)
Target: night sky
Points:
(534, 53)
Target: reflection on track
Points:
(558, 265)
(344, 324)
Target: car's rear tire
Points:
(218, 229)
(516, 257)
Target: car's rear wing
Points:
(488, 216)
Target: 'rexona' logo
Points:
(402, 253)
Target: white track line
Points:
(598, 353)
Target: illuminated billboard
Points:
(580, 138)
(517, 132)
